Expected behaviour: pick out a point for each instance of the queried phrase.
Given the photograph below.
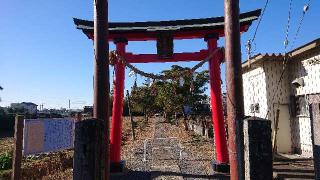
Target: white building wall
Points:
(261, 85)
(278, 97)
(308, 69)
(277, 93)
(254, 91)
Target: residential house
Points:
(274, 83)
(29, 107)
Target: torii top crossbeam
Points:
(181, 29)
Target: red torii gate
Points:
(210, 29)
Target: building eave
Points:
(302, 50)
(257, 59)
(313, 46)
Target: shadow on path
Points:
(142, 175)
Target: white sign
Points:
(47, 135)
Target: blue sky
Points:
(44, 59)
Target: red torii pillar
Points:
(116, 125)
(222, 157)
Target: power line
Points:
(305, 9)
(259, 21)
(252, 41)
(286, 43)
(249, 47)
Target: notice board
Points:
(47, 135)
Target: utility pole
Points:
(101, 73)
(1, 88)
(235, 111)
(41, 107)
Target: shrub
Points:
(5, 161)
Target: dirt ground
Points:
(6, 144)
(59, 165)
(198, 150)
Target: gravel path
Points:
(163, 157)
(164, 154)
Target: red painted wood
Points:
(217, 111)
(116, 124)
(216, 104)
(147, 36)
(147, 58)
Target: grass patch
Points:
(5, 161)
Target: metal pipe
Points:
(101, 72)
(235, 111)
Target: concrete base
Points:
(118, 167)
(220, 167)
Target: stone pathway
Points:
(163, 154)
(163, 158)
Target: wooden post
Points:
(222, 158)
(275, 133)
(17, 155)
(101, 74)
(235, 107)
(89, 147)
(314, 110)
(131, 117)
(78, 116)
(117, 108)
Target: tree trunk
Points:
(185, 123)
(145, 115)
(166, 116)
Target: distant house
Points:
(88, 109)
(29, 107)
(299, 87)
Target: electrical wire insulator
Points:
(248, 47)
(286, 42)
(305, 8)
